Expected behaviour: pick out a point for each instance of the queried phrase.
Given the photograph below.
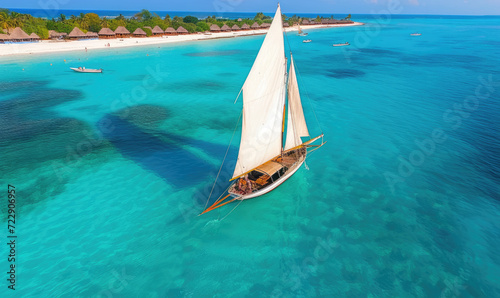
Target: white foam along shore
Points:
(51, 46)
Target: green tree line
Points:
(92, 22)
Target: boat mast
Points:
(285, 92)
(284, 109)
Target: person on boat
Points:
(241, 184)
(80, 68)
(249, 184)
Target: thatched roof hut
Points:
(139, 33)
(4, 37)
(91, 34)
(225, 28)
(170, 30)
(305, 22)
(34, 36)
(265, 25)
(53, 34)
(18, 34)
(122, 32)
(106, 33)
(182, 30)
(157, 30)
(214, 27)
(76, 33)
(255, 26)
(245, 27)
(235, 27)
(286, 25)
(239, 20)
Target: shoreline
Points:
(50, 46)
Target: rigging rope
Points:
(225, 155)
(230, 211)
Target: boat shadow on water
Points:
(170, 156)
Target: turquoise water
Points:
(403, 201)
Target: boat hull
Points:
(86, 70)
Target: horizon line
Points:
(399, 14)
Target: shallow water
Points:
(112, 169)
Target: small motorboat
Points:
(341, 44)
(89, 70)
(306, 40)
(415, 34)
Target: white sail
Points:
(296, 123)
(263, 101)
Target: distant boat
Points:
(416, 34)
(89, 70)
(302, 33)
(306, 40)
(263, 162)
(341, 44)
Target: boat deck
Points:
(267, 173)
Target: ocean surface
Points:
(111, 170)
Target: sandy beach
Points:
(51, 46)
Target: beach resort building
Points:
(106, 33)
(76, 33)
(17, 34)
(122, 32)
(182, 30)
(34, 36)
(91, 35)
(139, 33)
(170, 31)
(157, 31)
(214, 28)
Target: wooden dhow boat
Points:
(301, 33)
(271, 100)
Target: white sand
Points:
(49, 46)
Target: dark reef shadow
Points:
(162, 153)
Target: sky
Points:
(441, 7)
